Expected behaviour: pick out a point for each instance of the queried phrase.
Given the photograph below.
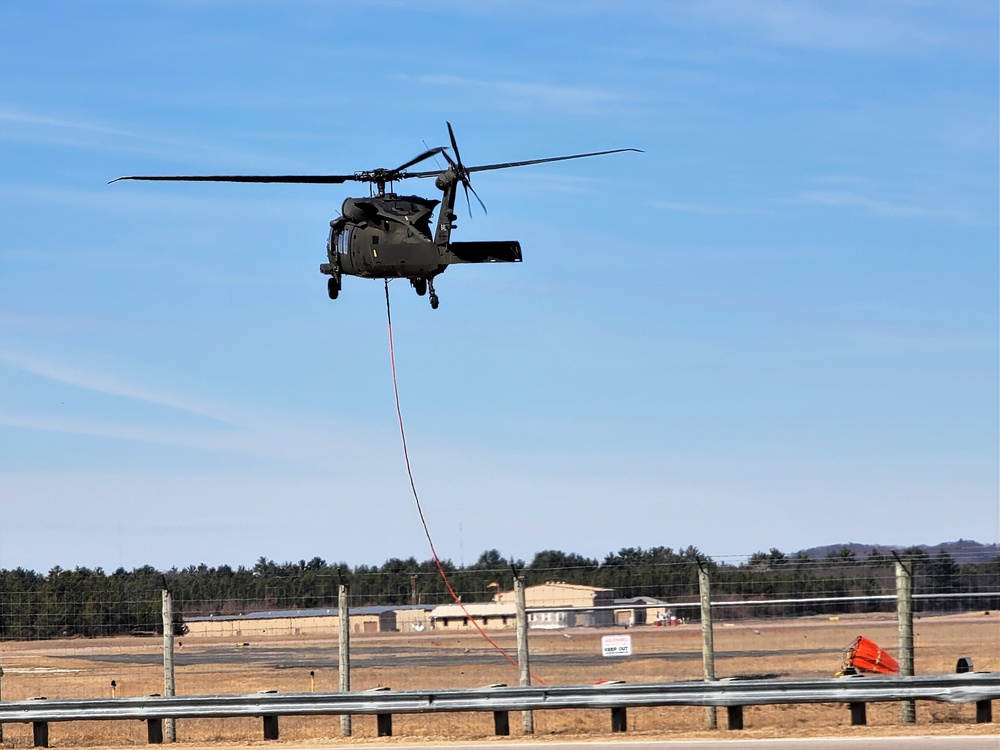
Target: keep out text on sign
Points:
(616, 645)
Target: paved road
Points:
(852, 743)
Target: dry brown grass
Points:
(808, 647)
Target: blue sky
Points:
(777, 327)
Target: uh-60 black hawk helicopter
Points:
(389, 236)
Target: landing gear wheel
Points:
(420, 285)
(434, 297)
(333, 287)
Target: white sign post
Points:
(616, 645)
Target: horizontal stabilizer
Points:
(508, 251)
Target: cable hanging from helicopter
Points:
(389, 236)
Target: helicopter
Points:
(390, 236)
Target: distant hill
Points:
(961, 551)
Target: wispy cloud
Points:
(880, 207)
(695, 208)
(112, 385)
(188, 438)
(10, 116)
(913, 338)
(228, 428)
(828, 26)
(523, 94)
(17, 124)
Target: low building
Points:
(565, 605)
(639, 610)
(307, 622)
(488, 615)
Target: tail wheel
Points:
(333, 287)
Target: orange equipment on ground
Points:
(865, 656)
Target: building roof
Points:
(485, 609)
(636, 600)
(572, 586)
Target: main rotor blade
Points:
(509, 164)
(315, 179)
(506, 165)
(417, 159)
(454, 144)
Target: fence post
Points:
(707, 642)
(904, 614)
(1, 699)
(344, 652)
(527, 717)
(169, 728)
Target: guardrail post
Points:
(270, 727)
(619, 719)
(270, 722)
(40, 729)
(501, 719)
(859, 714)
(984, 712)
(734, 717)
(40, 733)
(501, 723)
(154, 727)
(154, 731)
(383, 722)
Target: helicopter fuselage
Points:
(384, 237)
(389, 236)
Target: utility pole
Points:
(527, 717)
(344, 652)
(707, 641)
(169, 725)
(904, 614)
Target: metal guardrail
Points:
(959, 688)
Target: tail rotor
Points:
(461, 172)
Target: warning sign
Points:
(616, 645)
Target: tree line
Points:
(90, 602)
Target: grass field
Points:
(806, 647)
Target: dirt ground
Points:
(800, 648)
